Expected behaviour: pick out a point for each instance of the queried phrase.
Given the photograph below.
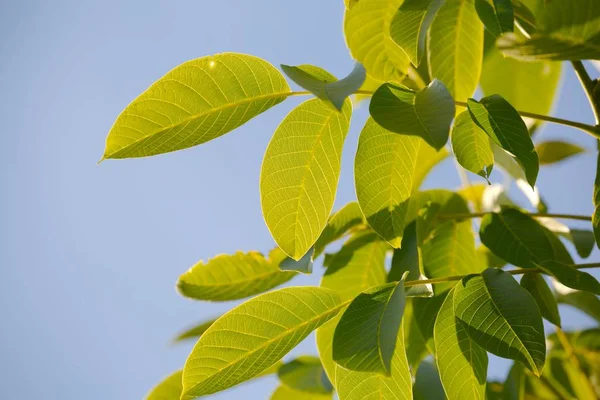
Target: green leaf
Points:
(416, 348)
(197, 101)
(426, 311)
(305, 374)
(538, 288)
(489, 259)
(231, 277)
(456, 48)
(567, 30)
(427, 384)
(340, 90)
(583, 240)
(571, 277)
(383, 170)
(511, 79)
(304, 265)
(367, 29)
(552, 151)
(365, 338)
(462, 364)
(596, 199)
(506, 128)
(194, 332)
(502, 317)
(497, 15)
(169, 389)
(410, 25)
(300, 173)
(339, 223)
(471, 146)
(427, 113)
(352, 385)
(309, 77)
(427, 159)
(586, 302)
(520, 240)
(358, 266)
(286, 393)
(255, 335)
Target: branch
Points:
(588, 85)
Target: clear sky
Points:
(90, 254)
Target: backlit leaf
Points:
(416, 348)
(304, 265)
(231, 277)
(538, 288)
(456, 48)
(286, 393)
(305, 374)
(383, 170)
(586, 302)
(497, 15)
(425, 312)
(300, 173)
(194, 332)
(367, 30)
(255, 335)
(506, 128)
(427, 113)
(571, 277)
(195, 102)
(338, 225)
(410, 26)
(462, 364)
(427, 159)
(471, 146)
(366, 336)
(169, 389)
(502, 317)
(551, 152)
(582, 239)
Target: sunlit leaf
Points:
(502, 317)
(365, 337)
(471, 146)
(305, 374)
(427, 113)
(427, 159)
(462, 363)
(358, 266)
(367, 30)
(350, 3)
(488, 259)
(497, 15)
(456, 48)
(300, 173)
(255, 335)
(506, 128)
(553, 151)
(169, 389)
(195, 102)
(520, 240)
(286, 393)
(231, 277)
(383, 170)
(538, 288)
(338, 225)
(427, 384)
(410, 25)
(194, 332)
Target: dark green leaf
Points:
(305, 374)
(427, 113)
(425, 312)
(366, 335)
(537, 286)
(304, 265)
(338, 225)
(553, 151)
(502, 317)
(571, 277)
(310, 77)
(340, 90)
(497, 15)
(586, 302)
(416, 348)
(471, 146)
(427, 384)
(505, 126)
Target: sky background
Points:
(90, 254)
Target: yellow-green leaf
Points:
(305, 374)
(383, 170)
(195, 102)
(471, 146)
(231, 277)
(366, 335)
(462, 364)
(367, 29)
(427, 113)
(300, 173)
(286, 393)
(554, 151)
(456, 48)
(310, 77)
(169, 389)
(255, 335)
(410, 26)
(501, 317)
(194, 332)
(427, 159)
(503, 124)
(338, 225)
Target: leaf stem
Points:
(588, 86)
(518, 271)
(535, 215)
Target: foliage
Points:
(423, 327)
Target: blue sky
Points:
(90, 254)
